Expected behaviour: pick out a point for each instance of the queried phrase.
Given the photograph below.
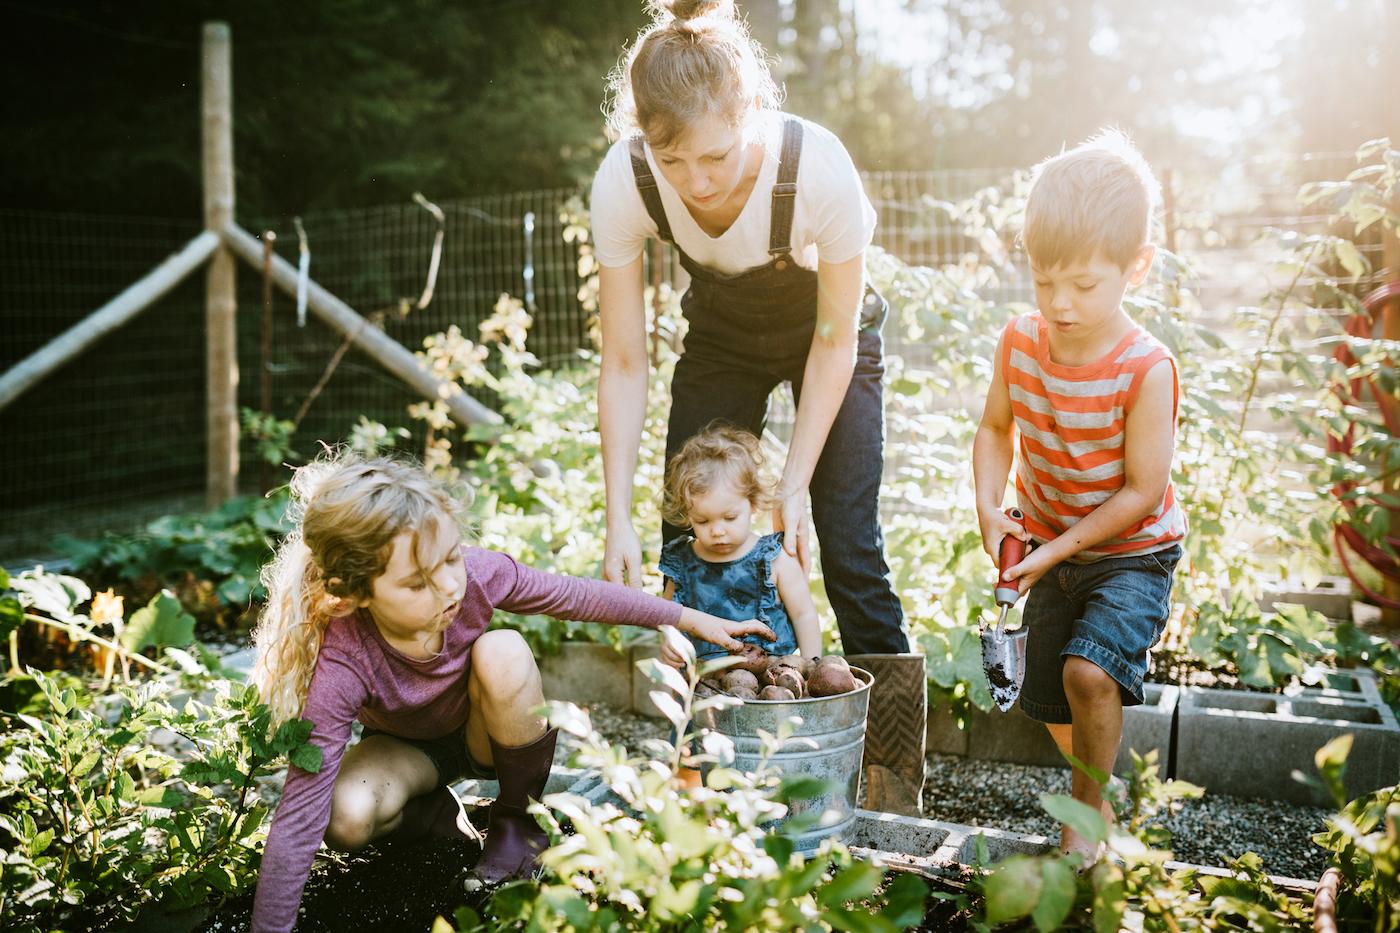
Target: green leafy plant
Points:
(51, 604)
(659, 857)
(112, 803)
(210, 560)
(1364, 839)
(1130, 885)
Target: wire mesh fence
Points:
(116, 437)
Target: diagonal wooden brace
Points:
(386, 351)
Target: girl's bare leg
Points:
(377, 778)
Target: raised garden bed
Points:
(1251, 743)
(1016, 738)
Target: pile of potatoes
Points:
(760, 676)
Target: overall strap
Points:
(785, 190)
(646, 187)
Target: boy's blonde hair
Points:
(347, 512)
(719, 454)
(1098, 197)
(695, 59)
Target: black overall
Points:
(752, 330)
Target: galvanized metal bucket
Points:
(828, 744)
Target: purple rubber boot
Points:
(513, 838)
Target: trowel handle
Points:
(1011, 553)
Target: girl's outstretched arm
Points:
(514, 587)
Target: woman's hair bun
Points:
(691, 9)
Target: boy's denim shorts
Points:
(1109, 612)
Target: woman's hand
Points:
(622, 555)
(790, 517)
(721, 632)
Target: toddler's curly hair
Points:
(719, 454)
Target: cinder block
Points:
(889, 832)
(942, 844)
(1331, 597)
(933, 847)
(1249, 744)
(1015, 737)
(586, 673)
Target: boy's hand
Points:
(995, 526)
(1029, 571)
(722, 632)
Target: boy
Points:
(1093, 398)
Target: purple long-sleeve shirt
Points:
(360, 676)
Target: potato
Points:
(807, 665)
(835, 660)
(775, 693)
(830, 680)
(734, 680)
(754, 660)
(744, 693)
(783, 675)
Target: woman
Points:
(769, 218)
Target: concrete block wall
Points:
(1015, 737)
(1233, 742)
(1249, 744)
(1331, 597)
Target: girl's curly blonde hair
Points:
(347, 511)
(719, 454)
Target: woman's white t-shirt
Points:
(832, 218)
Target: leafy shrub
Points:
(1364, 839)
(209, 559)
(661, 857)
(110, 803)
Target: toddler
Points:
(723, 567)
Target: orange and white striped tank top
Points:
(1070, 421)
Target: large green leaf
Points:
(1057, 895)
(855, 883)
(160, 623)
(1080, 817)
(1013, 890)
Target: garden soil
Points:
(398, 888)
(402, 888)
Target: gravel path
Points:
(1207, 831)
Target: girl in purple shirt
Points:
(377, 612)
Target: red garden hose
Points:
(1344, 535)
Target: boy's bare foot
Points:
(1071, 843)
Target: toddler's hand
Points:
(994, 527)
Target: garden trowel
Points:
(1004, 653)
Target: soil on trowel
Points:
(395, 888)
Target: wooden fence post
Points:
(221, 302)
